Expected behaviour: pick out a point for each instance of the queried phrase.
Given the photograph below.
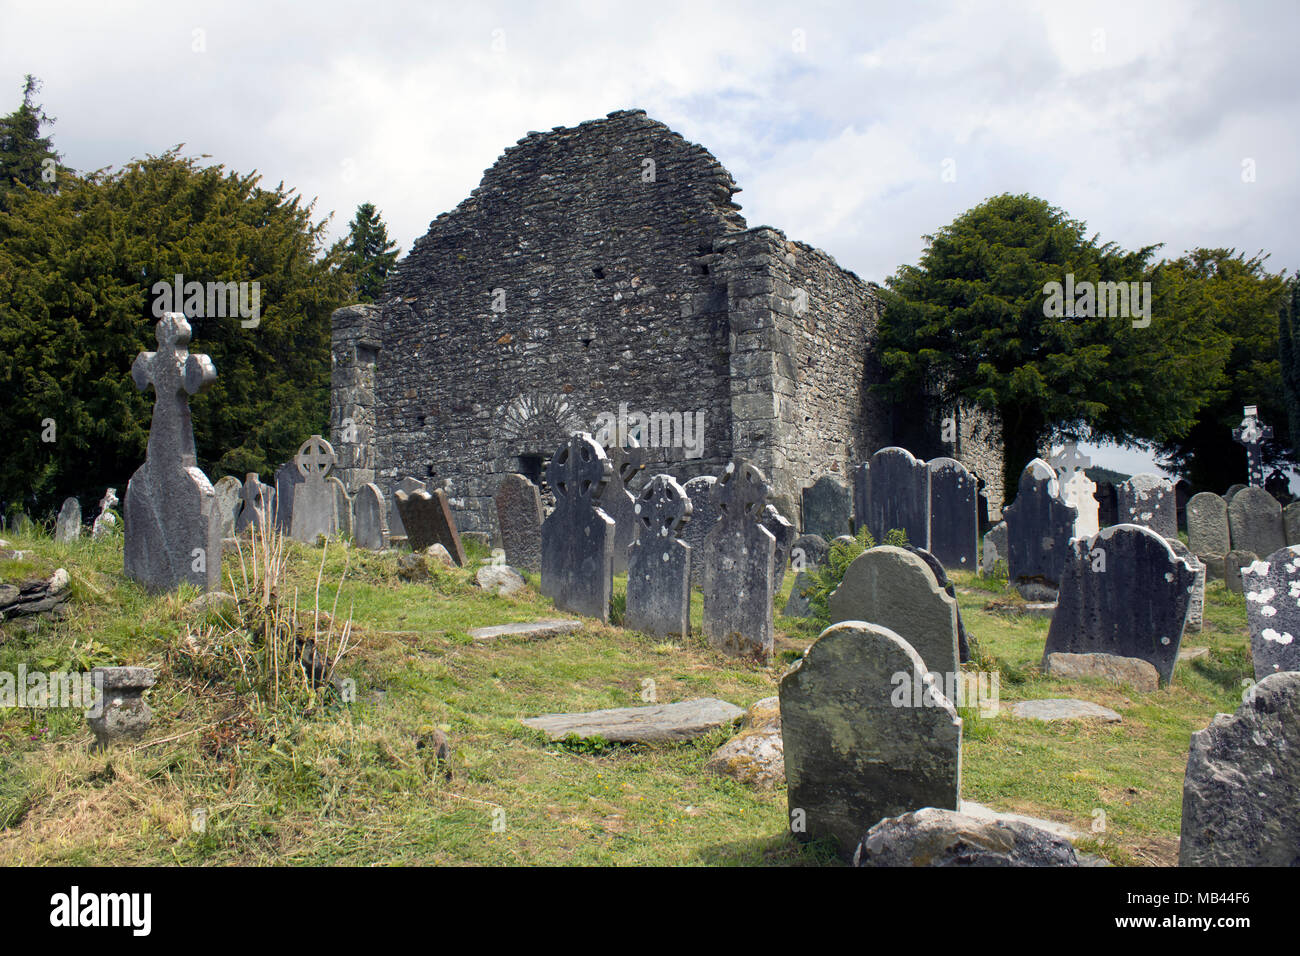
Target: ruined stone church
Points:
(601, 278)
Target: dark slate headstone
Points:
(1125, 593)
(783, 531)
(982, 507)
(1272, 589)
(519, 516)
(370, 518)
(954, 514)
(1207, 524)
(287, 479)
(1148, 500)
(1255, 522)
(808, 552)
(1243, 774)
(1182, 494)
(1107, 504)
(827, 508)
(428, 521)
(941, 577)
(617, 502)
(898, 496)
(173, 526)
(853, 754)
(704, 515)
(861, 495)
(258, 502)
(577, 537)
(315, 504)
(67, 527)
(1039, 527)
(738, 559)
(659, 564)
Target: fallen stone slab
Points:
(981, 812)
(1063, 708)
(1139, 674)
(1192, 653)
(934, 837)
(525, 629)
(756, 755)
(657, 723)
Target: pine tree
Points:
(370, 255)
(26, 157)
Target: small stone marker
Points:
(1039, 528)
(1207, 525)
(898, 496)
(797, 605)
(827, 508)
(119, 713)
(1063, 708)
(659, 564)
(315, 507)
(704, 515)
(756, 755)
(617, 501)
(547, 627)
(995, 548)
(1125, 593)
(173, 530)
(783, 531)
(258, 502)
(1139, 674)
(738, 571)
(578, 537)
(855, 753)
(105, 521)
(1243, 773)
(501, 579)
(67, 527)
(428, 520)
(933, 837)
(519, 516)
(659, 723)
(370, 518)
(1272, 588)
(954, 514)
(1233, 563)
(1148, 500)
(1252, 433)
(229, 491)
(808, 552)
(1255, 522)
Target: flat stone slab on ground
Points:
(981, 812)
(1192, 653)
(657, 723)
(1063, 708)
(544, 628)
(1140, 674)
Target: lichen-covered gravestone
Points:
(827, 508)
(519, 516)
(995, 548)
(941, 578)
(1255, 522)
(370, 518)
(1272, 589)
(783, 531)
(1124, 592)
(428, 520)
(258, 503)
(738, 560)
(867, 735)
(954, 514)
(1243, 774)
(704, 515)
(898, 496)
(173, 528)
(1196, 608)
(659, 565)
(578, 537)
(1039, 528)
(229, 491)
(1148, 500)
(808, 552)
(617, 502)
(315, 507)
(67, 527)
(895, 589)
(1207, 525)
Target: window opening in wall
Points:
(598, 272)
(532, 467)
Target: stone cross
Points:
(659, 573)
(578, 537)
(1253, 434)
(617, 502)
(315, 508)
(259, 502)
(174, 374)
(738, 557)
(1069, 460)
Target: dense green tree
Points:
(26, 157)
(78, 302)
(368, 254)
(968, 324)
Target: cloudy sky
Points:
(855, 127)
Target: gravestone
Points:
(954, 514)
(287, 480)
(1148, 500)
(578, 537)
(1196, 608)
(315, 507)
(941, 578)
(428, 520)
(1125, 592)
(1081, 491)
(342, 504)
(105, 521)
(1252, 433)
(895, 589)
(1182, 494)
(1207, 524)
(67, 527)
(617, 502)
(861, 495)
(1272, 589)
(1291, 523)
(519, 516)
(408, 485)
(173, 529)
(738, 558)
(995, 548)
(854, 752)
(229, 491)
(898, 496)
(1255, 522)
(1232, 491)
(797, 604)
(783, 531)
(808, 552)
(1107, 504)
(258, 502)
(370, 518)
(827, 508)
(1039, 528)
(1243, 773)
(704, 515)
(1233, 563)
(659, 564)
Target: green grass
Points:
(330, 784)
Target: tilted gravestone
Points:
(827, 508)
(1291, 522)
(578, 537)
(1255, 522)
(1272, 589)
(617, 502)
(704, 515)
(428, 520)
(287, 480)
(995, 548)
(808, 552)
(1207, 524)
(229, 491)
(315, 507)
(954, 514)
(1126, 593)
(895, 589)
(898, 496)
(1196, 608)
(659, 564)
(519, 516)
(941, 578)
(173, 529)
(1243, 773)
(258, 502)
(1148, 500)
(408, 485)
(370, 518)
(867, 735)
(67, 527)
(738, 559)
(1039, 528)
(783, 531)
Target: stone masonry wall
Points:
(356, 343)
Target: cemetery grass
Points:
(314, 782)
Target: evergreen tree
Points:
(369, 255)
(26, 157)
